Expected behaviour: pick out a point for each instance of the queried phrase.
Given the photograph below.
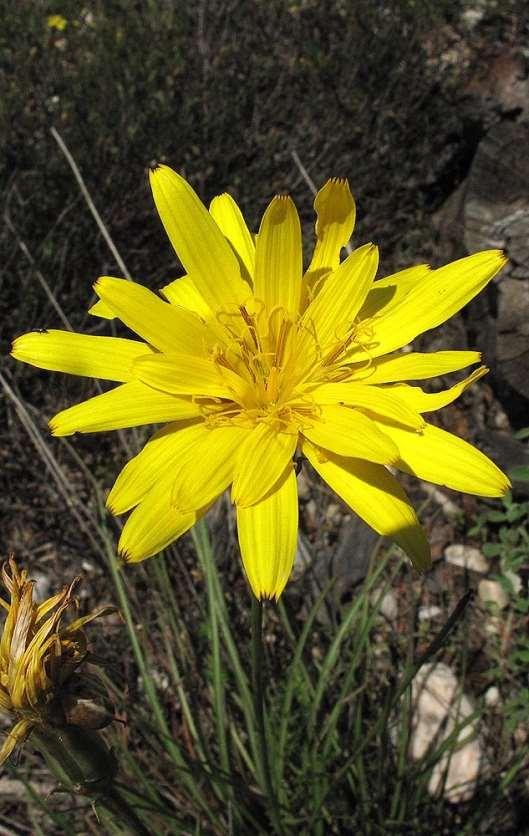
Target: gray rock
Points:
(492, 592)
(438, 708)
(492, 696)
(467, 557)
(388, 606)
(427, 612)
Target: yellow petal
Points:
(183, 292)
(129, 405)
(436, 298)
(335, 213)
(102, 310)
(268, 537)
(5, 702)
(165, 326)
(335, 307)
(278, 256)
(440, 457)
(384, 402)
(206, 469)
(199, 243)
(415, 366)
(154, 524)
(230, 221)
(389, 292)
(376, 496)
(183, 374)
(162, 453)
(108, 358)
(415, 398)
(263, 456)
(350, 433)
(16, 736)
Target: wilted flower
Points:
(250, 360)
(39, 655)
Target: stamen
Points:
(272, 385)
(339, 349)
(250, 322)
(284, 331)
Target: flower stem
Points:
(82, 764)
(258, 704)
(114, 802)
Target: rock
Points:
(303, 559)
(333, 514)
(512, 338)
(467, 557)
(496, 214)
(428, 612)
(491, 209)
(349, 562)
(472, 16)
(438, 709)
(492, 696)
(304, 490)
(493, 626)
(507, 452)
(311, 512)
(388, 606)
(492, 592)
(450, 509)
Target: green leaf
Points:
(521, 434)
(520, 473)
(492, 549)
(496, 516)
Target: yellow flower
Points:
(57, 22)
(38, 655)
(250, 361)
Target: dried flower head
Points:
(38, 654)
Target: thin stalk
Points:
(219, 700)
(73, 770)
(90, 203)
(202, 543)
(258, 703)
(115, 803)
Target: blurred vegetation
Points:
(225, 92)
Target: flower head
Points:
(38, 654)
(57, 22)
(251, 361)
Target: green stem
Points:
(114, 802)
(258, 703)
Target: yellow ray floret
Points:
(248, 361)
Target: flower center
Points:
(257, 358)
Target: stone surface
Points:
(427, 612)
(492, 592)
(468, 557)
(490, 210)
(438, 708)
(388, 606)
(333, 514)
(492, 696)
(304, 490)
(450, 509)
